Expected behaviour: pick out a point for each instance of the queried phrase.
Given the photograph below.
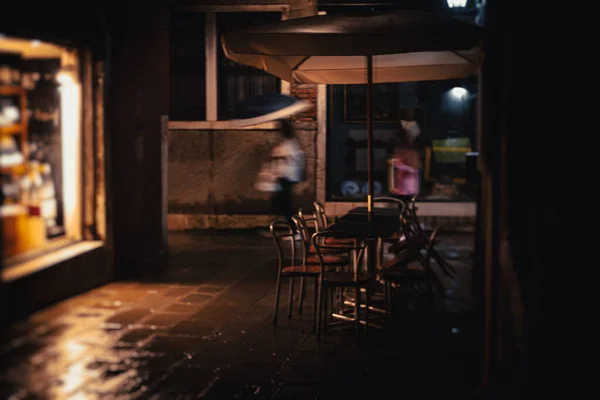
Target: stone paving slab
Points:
(203, 329)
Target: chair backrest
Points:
(410, 213)
(285, 242)
(321, 216)
(426, 262)
(309, 216)
(415, 239)
(430, 244)
(357, 244)
(304, 236)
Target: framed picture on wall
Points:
(385, 99)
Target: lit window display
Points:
(423, 133)
(39, 145)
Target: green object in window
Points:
(451, 151)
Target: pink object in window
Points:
(405, 180)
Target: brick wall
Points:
(309, 93)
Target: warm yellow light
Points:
(70, 108)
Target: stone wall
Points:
(212, 174)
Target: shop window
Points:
(236, 82)
(188, 66)
(40, 119)
(439, 119)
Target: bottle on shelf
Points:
(48, 203)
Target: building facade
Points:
(53, 213)
(212, 165)
(144, 142)
(130, 131)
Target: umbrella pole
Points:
(369, 135)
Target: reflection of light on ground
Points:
(73, 350)
(80, 396)
(70, 369)
(74, 377)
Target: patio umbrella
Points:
(398, 46)
(265, 108)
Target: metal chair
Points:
(309, 216)
(394, 238)
(321, 215)
(400, 274)
(329, 281)
(336, 257)
(290, 265)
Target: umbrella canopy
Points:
(265, 108)
(398, 46)
(331, 49)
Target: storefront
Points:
(208, 189)
(437, 117)
(52, 197)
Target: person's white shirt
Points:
(288, 160)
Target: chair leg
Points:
(357, 311)
(390, 298)
(277, 295)
(380, 253)
(386, 300)
(367, 303)
(291, 298)
(332, 295)
(326, 309)
(318, 305)
(302, 292)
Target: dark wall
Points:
(524, 215)
(61, 21)
(137, 95)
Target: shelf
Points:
(12, 129)
(12, 210)
(6, 90)
(13, 169)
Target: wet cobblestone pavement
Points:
(202, 329)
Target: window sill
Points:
(220, 125)
(425, 209)
(47, 260)
(456, 199)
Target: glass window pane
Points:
(247, 82)
(422, 133)
(188, 67)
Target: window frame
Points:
(211, 70)
(236, 70)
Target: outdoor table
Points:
(383, 223)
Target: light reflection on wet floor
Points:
(204, 327)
